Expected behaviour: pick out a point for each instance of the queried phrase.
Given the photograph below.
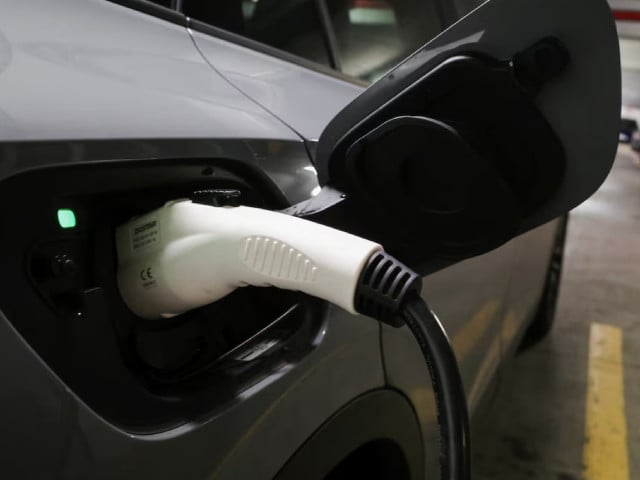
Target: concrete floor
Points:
(535, 428)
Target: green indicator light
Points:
(66, 218)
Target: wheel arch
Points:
(376, 433)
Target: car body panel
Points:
(532, 256)
(304, 99)
(148, 81)
(285, 162)
(121, 84)
(146, 92)
(124, 85)
(60, 437)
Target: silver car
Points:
(110, 108)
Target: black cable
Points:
(390, 291)
(451, 403)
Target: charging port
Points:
(141, 375)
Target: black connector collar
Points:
(382, 287)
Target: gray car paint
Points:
(53, 434)
(114, 73)
(304, 99)
(93, 70)
(143, 92)
(285, 162)
(116, 83)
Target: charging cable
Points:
(390, 292)
(186, 255)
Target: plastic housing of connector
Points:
(185, 255)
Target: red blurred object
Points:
(627, 15)
(371, 4)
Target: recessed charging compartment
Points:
(60, 292)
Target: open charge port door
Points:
(142, 375)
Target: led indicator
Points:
(66, 218)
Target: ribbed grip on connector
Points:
(382, 287)
(274, 258)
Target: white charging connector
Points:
(185, 255)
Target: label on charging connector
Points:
(147, 277)
(145, 235)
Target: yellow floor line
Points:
(605, 449)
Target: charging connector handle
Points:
(185, 255)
